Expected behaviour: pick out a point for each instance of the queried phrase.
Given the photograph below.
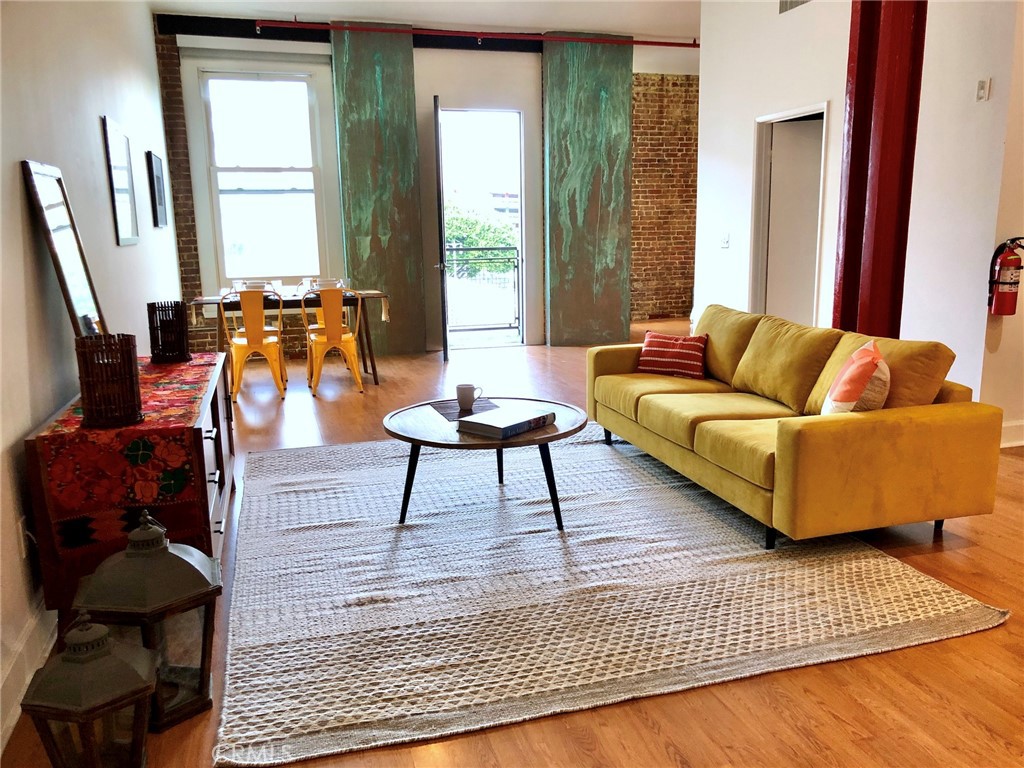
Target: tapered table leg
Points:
(410, 475)
(549, 475)
(365, 323)
(501, 467)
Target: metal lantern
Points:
(91, 703)
(170, 592)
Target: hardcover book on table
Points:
(506, 422)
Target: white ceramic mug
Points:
(467, 395)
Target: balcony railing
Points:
(483, 288)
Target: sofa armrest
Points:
(951, 392)
(612, 358)
(855, 471)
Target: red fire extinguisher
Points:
(1004, 277)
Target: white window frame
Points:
(293, 62)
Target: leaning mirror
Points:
(53, 213)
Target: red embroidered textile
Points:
(145, 464)
(673, 355)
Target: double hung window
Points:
(262, 173)
(264, 168)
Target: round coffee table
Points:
(423, 424)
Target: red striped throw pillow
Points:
(673, 355)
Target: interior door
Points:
(441, 266)
(793, 220)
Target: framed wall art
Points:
(122, 185)
(157, 185)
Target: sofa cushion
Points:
(622, 391)
(745, 448)
(917, 370)
(862, 384)
(728, 332)
(676, 417)
(672, 355)
(784, 360)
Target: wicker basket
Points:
(168, 332)
(108, 370)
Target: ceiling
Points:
(643, 19)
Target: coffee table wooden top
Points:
(421, 424)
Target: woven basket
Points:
(168, 332)
(108, 370)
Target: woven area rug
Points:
(348, 631)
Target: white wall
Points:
(1002, 376)
(63, 66)
(958, 166)
(660, 60)
(756, 62)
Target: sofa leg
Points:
(607, 437)
(938, 525)
(769, 537)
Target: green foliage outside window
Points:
(469, 229)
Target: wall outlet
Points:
(724, 242)
(984, 90)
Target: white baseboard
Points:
(21, 659)
(1013, 434)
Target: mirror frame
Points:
(33, 170)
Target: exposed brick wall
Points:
(203, 334)
(664, 195)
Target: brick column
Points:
(203, 335)
(664, 195)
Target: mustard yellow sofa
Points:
(752, 432)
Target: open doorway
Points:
(789, 172)
(478, 83)
(480, 191)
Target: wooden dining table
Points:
(294, 301)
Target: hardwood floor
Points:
(959, 702)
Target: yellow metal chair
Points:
(249, 331)
(336, 328)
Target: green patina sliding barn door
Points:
(380, 194)
(587, 101)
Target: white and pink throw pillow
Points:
(673, 355)
(862, 384)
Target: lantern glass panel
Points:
(65, 735)
(108, 737)
(181, 658)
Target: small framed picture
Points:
(155, 167)
(122, 186)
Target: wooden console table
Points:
(89, 486)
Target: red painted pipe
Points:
(478, 35)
